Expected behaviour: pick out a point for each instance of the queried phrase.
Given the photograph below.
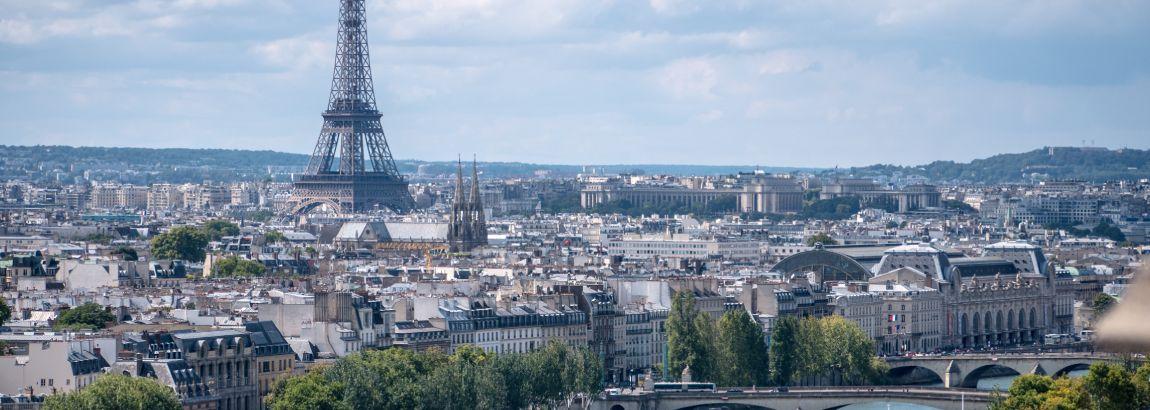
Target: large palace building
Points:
(1006, 296)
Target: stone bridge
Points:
(813, 398)
(966, 370)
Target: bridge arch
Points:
(970, 380)
(1067, 369)
(725, 406)
(879, 403)
(911, 374)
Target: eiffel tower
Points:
(353, 181)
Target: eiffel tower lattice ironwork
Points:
(351, 168)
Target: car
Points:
(734, 390)
(784, 389)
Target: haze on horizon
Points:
(784, 83)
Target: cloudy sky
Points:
(783, 82)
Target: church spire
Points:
(459, 181)
(474, 184)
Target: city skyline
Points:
(590, 82)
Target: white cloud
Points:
(689, 78)
(709, 116)
(205, 4)
(296, 53)
(477, 19)
(785, 62)
(17, 32)
(556, 80)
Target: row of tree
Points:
(189, 243)
(719, 206)
(113, 391)
(828, 350)
(1104, 229)
(470, 378)
(1105, 387)
(735, 352)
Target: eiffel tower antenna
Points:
(363, 176)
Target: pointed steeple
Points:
(459, 181)
(475, 202)
(478, 218)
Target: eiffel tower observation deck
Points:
(351, 169)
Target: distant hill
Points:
(1084, 163)
(171, 157)
(148, 165)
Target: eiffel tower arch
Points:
(351, 169)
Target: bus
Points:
(684, 387)
(1057, 338)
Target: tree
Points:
(742, 351)
(127, 253)
(1103, 302)
(262, 215)
(812, 349)
(849, 351)
(5, 311)
(100, 238)
(1105, 387)
(586, 377)
(783, 352)
(686, 344)
(234, 266)
(309, 391)
(833, 208)
(470, 378)
(184, 242)
(1026, 392)
(274, 237)
(723, 204)
(1111, 387)
(821, 237)
(1106, 230)
(704, 367)
(86, 316)
(219, 228)
(959, 206)
(462, 385)
(516, 375)
(114, 391)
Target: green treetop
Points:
(742, 351)
(821, 237)
(183, 242)
(687, 344)
(219, 228)
(112, 391)
(86, 316)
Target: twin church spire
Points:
(467, 228)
